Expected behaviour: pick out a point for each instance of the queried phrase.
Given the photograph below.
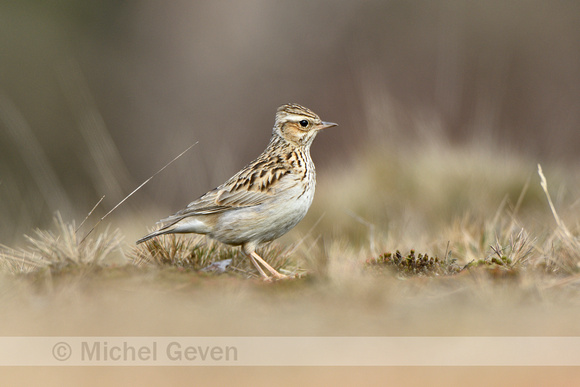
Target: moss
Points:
(413, 264)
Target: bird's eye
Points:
(304, 123)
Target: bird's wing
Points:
(250, 187)
(218, 201)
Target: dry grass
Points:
(59, 249)
(500, 239)
(493, 250)
(401, 78)
(201, 254)
(506, 267)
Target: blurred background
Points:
(95, 97)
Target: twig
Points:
(137, 189)
(89, 214)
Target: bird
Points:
(265, 199)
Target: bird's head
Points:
(298, 125)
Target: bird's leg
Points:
(262, 273)
(256, 257)
(250, 250)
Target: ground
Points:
(500, 262)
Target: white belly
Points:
(264, 222)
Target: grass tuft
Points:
(196, 252)
(58, 249)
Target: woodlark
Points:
(265, 199)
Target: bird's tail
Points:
(152, 235)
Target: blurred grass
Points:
(493, 219)
(445, 110)
(522, 275)
(107, 91)
(477, 205)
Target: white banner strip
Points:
(289, 351)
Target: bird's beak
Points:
(325, 125)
